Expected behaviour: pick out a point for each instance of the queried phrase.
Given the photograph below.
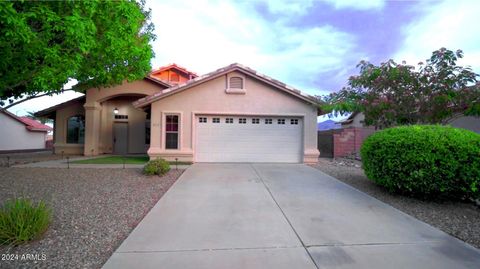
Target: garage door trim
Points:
(210, 114)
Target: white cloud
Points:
(449, 24)
(357, 4)
(289, 7)
(203, 36)
(301, 7)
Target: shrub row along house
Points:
(233, 114)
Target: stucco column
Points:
(92, 128)
(311, 152)
(155, 131)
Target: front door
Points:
(120, 138)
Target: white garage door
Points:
(249, 139)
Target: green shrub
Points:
(156, 167)
(426, 161)
(22, 221)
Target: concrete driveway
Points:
(281, 216)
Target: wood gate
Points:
(325, 143)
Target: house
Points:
(356, 119)
(21, 133)
(233, 114)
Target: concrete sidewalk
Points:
(281, 216)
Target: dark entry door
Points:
(120, 138)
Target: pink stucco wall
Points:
(211, 98)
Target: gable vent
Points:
(236, 83)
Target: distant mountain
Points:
(328, 125)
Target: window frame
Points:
(177, 132)
(148, 131)
(78, 132)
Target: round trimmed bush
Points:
(156, 167)
(426, 161)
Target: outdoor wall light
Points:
(115, 111)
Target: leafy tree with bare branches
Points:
(399, 94)
(43, 44)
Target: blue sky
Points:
(311, 45)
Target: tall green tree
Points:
(43, 44)
(399, 94)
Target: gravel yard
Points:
(94, 210)
(461, 220)
(9, 159)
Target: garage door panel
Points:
(248, 142)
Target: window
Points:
(255, 121)
(281, 121)
(229, 120)
(202, 120)
(216, 120)
(236, 83)
(76, 130)
(174, 77)
(242, 121)
(268, 121)
(147, 132)
(171, 132)
(121, 117)
(294, 121)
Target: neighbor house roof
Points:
(349, 119)
(48, 111)
(174, 66)
(30, 124)
(157, 81)
(220, 72)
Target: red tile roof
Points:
(30, 124)
(174, 66)
(35, 125)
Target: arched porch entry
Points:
(124, 129)
(113, 125)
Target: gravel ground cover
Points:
(94, 210)
(27, 157)
(461, 220)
